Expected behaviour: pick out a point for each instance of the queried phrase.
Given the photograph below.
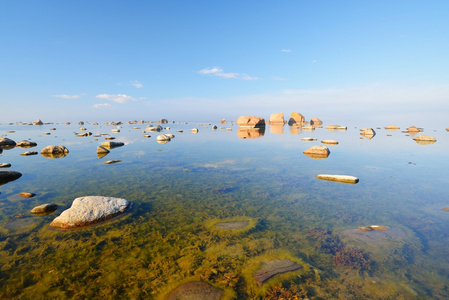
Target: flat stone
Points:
(89, 210)
(8, 176)
(329, 142)
(29, 153)
(109, 162)
(5, 165)
(308, 139)
(339, 178)
(112, 145)
(321, 151)
(163, 137)
(26, 144)
(426, 138)
(273, 268)
(232, 225)
(44, 209)
(195, 290)
(27, 194)
(392, 127)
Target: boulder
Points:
(8, 176)
(318, 150)
(315, 121)
(54, 151)
(296, 119)
(38, 122)
(112, 145)
(26, 144)
(164, 121)
(339, 178)
(7, 143)
(392, 127)
(414, 129)
(195, 290)
(44, 209)
(163, 137)
(89, 210)
(277, 119)
(157, 128)
(214, 127)
(250, 121)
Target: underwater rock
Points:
(338, 178)
(308, 139)
(27, 194)
(446, 208)
(7, 143)
(44, 209)
(275, 267)
(195, 290)
(317, 151)
(5, 165)
(29, 153)
(329, 142)
(375, 234)
(112, 145)
(374, 227)
(26, 144)
(250, 121)
(8, 176)
(232, 225)
(89, 210)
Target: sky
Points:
(373, 62)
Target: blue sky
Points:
(341, 61)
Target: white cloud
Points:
(286, 50)
(137, 84)
(119, 98)
(67, 96)
(102, 105)
(215, 71)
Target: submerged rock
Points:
(8, 176)
(195, 290)
(273, 268)
(44, 209)
(339, 178)
(232, 225)
(89, 210)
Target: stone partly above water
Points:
(26, 144)
(308, 139)
(5, 165)
(275, 267)
(195, 290)
(54, 151)
(110, 162)
(112, 145)
(250, 121)
(317, 151)
(44, 209)
(8, 176)
(329, 142)
(338, 178)
(29, 153)
(90, 210)
(7, 143)
(425, 139)
(26, 194)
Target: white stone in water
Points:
(89, 210)
(339, 178)
(163, 137)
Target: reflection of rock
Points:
(6, 143)
(195, 290)
(44, 209)
(275, 267)
(250, 133)
(338, 178)
(308, 127)
(102, 152)
(329, 142)
(322, 151)
(232, 225)
(295, 129)
(296, 119)
(112, 145)
(425, 139)
(250, 121)
(90, 210)
(54, 151)
(391, 127)
(277, 129)
(7, 176)
(27, 194)
(315, 121)
(162, 142)
(277, 119)
(26, 144)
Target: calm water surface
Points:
(181, 189)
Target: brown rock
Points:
(164, 121)
(44, 209)
(275, 267)
(391, 127)
(222, 121)
(320, 150)
(414, 129)
(195, 290)
(338, 178)
(329, 142)
(26, 144)
(315, 121)
(425, 138)
(38, 122)
(27, 195)
(250, 121)
(296, 119)
(368, 132)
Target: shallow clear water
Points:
(179, 190)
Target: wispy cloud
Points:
(119, 98)
(277, 78)
(137, 84)
(67, 96)
(216, 71)
(286, 50)
(102, 105)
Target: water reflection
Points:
(250, 133)
(276, 129)
(295, 129)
